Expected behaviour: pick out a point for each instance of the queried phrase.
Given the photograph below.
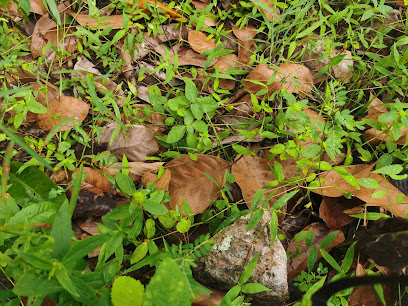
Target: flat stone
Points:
(234, 248)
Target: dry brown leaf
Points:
(271, 4)
(332, 211)
(136, 169)
(297, 264)
(38, 7)
(45, 94)
(199, 5)
(46, 31)
(226, 84)
(214, 299)
(102, 22)
(376, 108)
(199, 41)
(96, 178)
(251, 174)
(227, 61)
(138, 143)
(89, 226)
(186, 179)
(295, 78)
(335, 186)
(63, 108)
(172, 13)
(246, 45)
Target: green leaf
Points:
(242, 150)
(328, 239)
(330, 260)
(168, 286)
(191, 90)
(348, 258)
(378, 194)
(282, 201)
(52, 6)
(150, 228)
(254, 288)
(392, 169)
(311, 151)
(388, 117)
(30, 284)
(183, 226)
(126, 291)
(313, 27)
(25, 6)
(31, 185)
(255, 218)
(248, 270)
(306, 301)
(176, 133)
(35, 213)
(154, 207)
(370, 216)
(35, 261)
(139, 253)
(83, 247)
(309, 237)
(368, 183)
(257, 198)
(347, 177)
(312, 258)
(274, 227)
(125, 183)
(66, 282)
(61, 231)
(36, 108)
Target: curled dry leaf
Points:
(63, 108)
(136, 169)
(295, 78)
(271, 5)
(138, 142)
(251, 174)
(335, 186)
(246, 45)
(199, 41)
(299, 263)
(102, 22)
(185, 178)
(96, 178)
(332, 211)
(46, 31)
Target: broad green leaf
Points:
(61, 231)
(154, 207)
(378, 194)
(347, 177)
(35, 261)
(36, 108)
(311, 151)
(31, 185)
(191, 90)
(368, 183)
(248, 270)
(66, 282)
(242, 150)
(139, 253)
(392, 169)
(255, 218)
(282, 201)
(328, 239)
(330, 260)
(257, 198)
(125, 183)
(126, 291)
(183, 226)
(150, 228)
(312, 258)
(52, 6)
(168, 286)
(309, 237)
(176, 133)
(388, 117)
(30, 284)
(83, 247)
(254, 288)
(35, 213)
(348, 258)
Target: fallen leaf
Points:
(38, 7)
(138, 142)
(271, 5)
(186, 56)
(170, 12)
(295, 78)
(251, 174)
(187, 179)
(89, 226)
(136, 169)
(63, 108)
(246, 44)
(332, 211)
(227, 61)
(102, 22)
(96, 178)
(335, 186)
(297, 264)
(46, 31)
(199, 41)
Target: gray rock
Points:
(234, 248)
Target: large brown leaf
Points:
(102, 22)
(336, 186)
(295, 78)
(137, 143)
(199, 41)
(185, 178)
(251, 174)
(298, 264)
(136, 169)
(63, 108)
(332, 211)
(246, 44)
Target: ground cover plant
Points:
(132, 132)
